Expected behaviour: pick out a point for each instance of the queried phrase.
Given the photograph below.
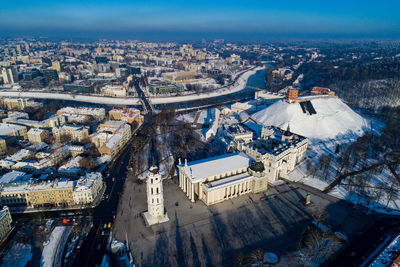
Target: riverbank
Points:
(239, 85)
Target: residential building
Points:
(23, 192)
(36, 136)
(7, 129)
(128, 115)
(87, 188)
(56, 193)
(50, 75)
(19, 103)
(3, 146)
(9, 75)
(70, 133)
(5, 222)
(117, 133)
(97, 113)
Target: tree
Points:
(324, 163)
(257, 256)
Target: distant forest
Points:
(368, 83)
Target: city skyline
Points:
(255, 20)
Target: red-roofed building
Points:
(322, 91)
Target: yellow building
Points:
(114, 91)
(19, 103)
(118, 134)
(180, 76)
(3, 146)
(36, 136)
(57, 193)
(128, 115)
(7, 129)
(56, 65)
(69, 132)
(5, 222)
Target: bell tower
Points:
(155, 213)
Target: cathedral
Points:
(249, 170)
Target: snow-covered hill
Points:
(333, 118)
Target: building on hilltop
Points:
(322, 91)
(292, 94)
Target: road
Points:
(357, 252)
(94, 246)
(145, 102)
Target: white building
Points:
(259, 162)
(87, 188)
(5, 222)
(97, 113)
(155, 213)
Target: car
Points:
(102, 233)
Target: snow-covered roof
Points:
(200, 169)
(7, 128)
(12, 177)
(115, 139)
(35, 131)
(87, 181)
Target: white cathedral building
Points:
(256, 164)
(155, 213)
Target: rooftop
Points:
(204, 168)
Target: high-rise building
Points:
(50, 75)
(9, 75)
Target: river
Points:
(255, 80)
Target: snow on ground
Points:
(72, 97)
(320, 181)
(239, 85)
(189, 117)
(333, 119)
(18, 256)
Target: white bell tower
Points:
(155, 200)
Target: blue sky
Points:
(304, 18)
